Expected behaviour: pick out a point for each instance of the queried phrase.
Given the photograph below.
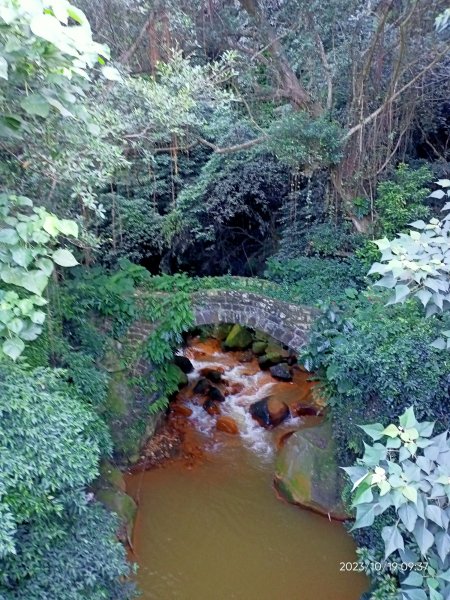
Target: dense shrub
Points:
(313, 280)
(401, 199)
(378, 362)
(51, 444)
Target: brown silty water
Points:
(210, 525)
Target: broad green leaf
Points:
(22, 256)
(439, 194)
(50, 225)
(385, 487)
(363, 494)
(443, 182)
(393, 540)
(31, 332)
(77, 15)
(401, 292)
(68, 227)
(35, 281)
(424, 296)
(13, 347)
(64, 258)
(9, 236)
(442, 543)
(414, 579)
(423, 536)
(391, 431)
(35, 104)
(408, 514)
(15, 325)
(375, 431)
(410, 493)
(46, 265)
(38, 317)
(408, 418)
(435, 514)
(374, 454)
(365, 515)
(415, 594)
(111, 74)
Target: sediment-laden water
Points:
(213, 528)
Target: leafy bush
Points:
(298, 139)
(400, 200)
(313, 280)
(374, 362)
(51, 444)
(407, 472)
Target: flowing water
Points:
(213, 528)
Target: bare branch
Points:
(395, 95)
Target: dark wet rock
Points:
(307, 473)
(239, 338)
(227, 425)
(214, 375)
(269, 360)
(215, 394)
(281, 371)
(211, 407)
(269, 412)
(183, 363)
(202, 386)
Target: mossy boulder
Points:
(222, 330)
(110, 476)
(123, 505)
(259, 347)
(120, 395)
(307, 473)
(239, 338)
(270, 359)
(276, 349)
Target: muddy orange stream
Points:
(214, 529)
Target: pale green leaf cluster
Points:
(408, 471)
(46, 52)
(417, 263)
(28, 254)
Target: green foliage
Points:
(400, 200)
(314, 280)
(36, 474)
(298, 139)
(43, 62)
(53, 541)
(226, 220)
(374, 362)
(417, 264)
(75, 557)
(28, 239)
(408, 470)
(330, 240)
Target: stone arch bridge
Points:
(286, 322)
